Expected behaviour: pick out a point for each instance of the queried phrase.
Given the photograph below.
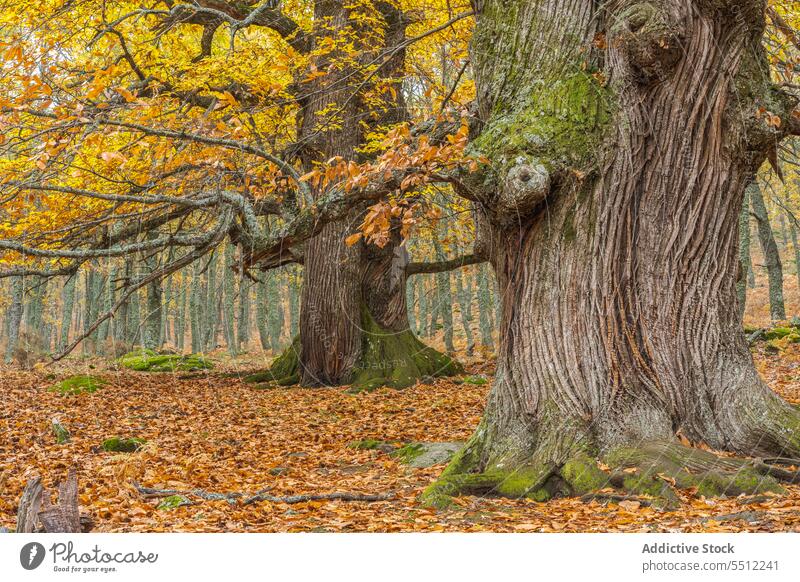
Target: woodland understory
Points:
(219, 434)
(399, 265)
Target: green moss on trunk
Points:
(396, 358)
(388, 358)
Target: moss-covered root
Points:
(284, 371)
(652, 471)
(397, 359)
(656, 469)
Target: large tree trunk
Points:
(622, 142)
(353, 320)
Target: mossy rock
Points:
(372, 445)
(122, 445)
(173, 502)
(81, 384)
(422, 455)
(408, 453)
(147, 360)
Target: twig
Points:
(755, 336)
(326, 496)
(203, 494)
(262, 495)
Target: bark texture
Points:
(621, 139)
(353, 316)
(772, 257)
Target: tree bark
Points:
(14, 317)
(772, 258)
(621, 141)
(353, 319)
(745, 262)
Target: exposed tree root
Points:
(396, 359)
(649, 473)
(284, 371)
(248, 499)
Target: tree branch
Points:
(417, 268)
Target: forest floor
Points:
(214, 432)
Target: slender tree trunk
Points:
(772, 258)
(180, 319)
(745, 263)
(464, 294)
(262, 315)
(196, 321)
(212, 302)
(485, 307)
(444, 299)
(107, 301)
(14, 317)
(796, 248)
(229, 300)
(243, 331)
(67, 303)
(622, 140)
(275, 311)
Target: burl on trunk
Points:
(621, 136)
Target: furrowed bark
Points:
(617, 257)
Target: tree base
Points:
(394, 359)
(652, 472)
(284, 371)
(397, 359)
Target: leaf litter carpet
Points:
(216, 433)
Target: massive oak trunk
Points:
(621, 140)
(353, 319)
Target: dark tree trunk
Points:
(353, 320)
(621, 141)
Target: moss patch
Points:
(75, 385)
(558, 122)
(172, 502)
(476, 380)
(60, 432)
(122, 445)
(583, 475)
(409, 452)
(151, 361)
